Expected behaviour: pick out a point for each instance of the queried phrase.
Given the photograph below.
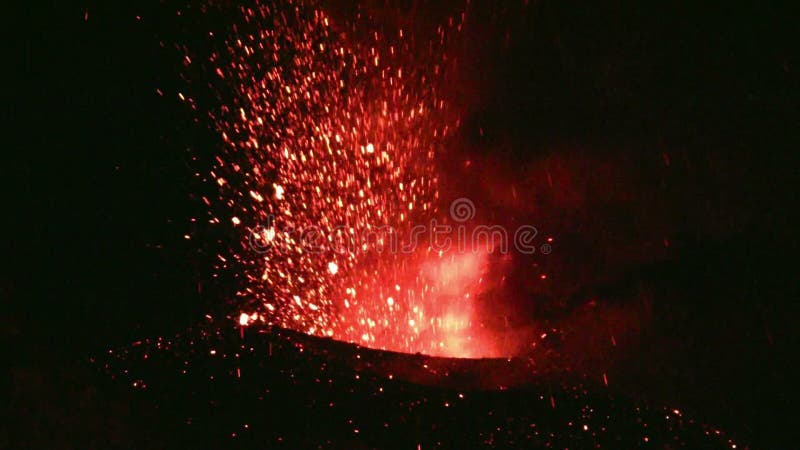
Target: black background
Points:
(99, 184)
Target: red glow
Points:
(326, 133)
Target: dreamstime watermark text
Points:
(457, 234)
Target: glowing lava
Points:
(329, 164)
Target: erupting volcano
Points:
(332, 134)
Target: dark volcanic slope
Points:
(211, 389)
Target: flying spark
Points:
(329, 138)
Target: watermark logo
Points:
(462, 210)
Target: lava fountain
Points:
(328, 173)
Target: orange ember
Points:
(329, 164)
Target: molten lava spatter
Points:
(331, 145)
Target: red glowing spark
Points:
(339, 136)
